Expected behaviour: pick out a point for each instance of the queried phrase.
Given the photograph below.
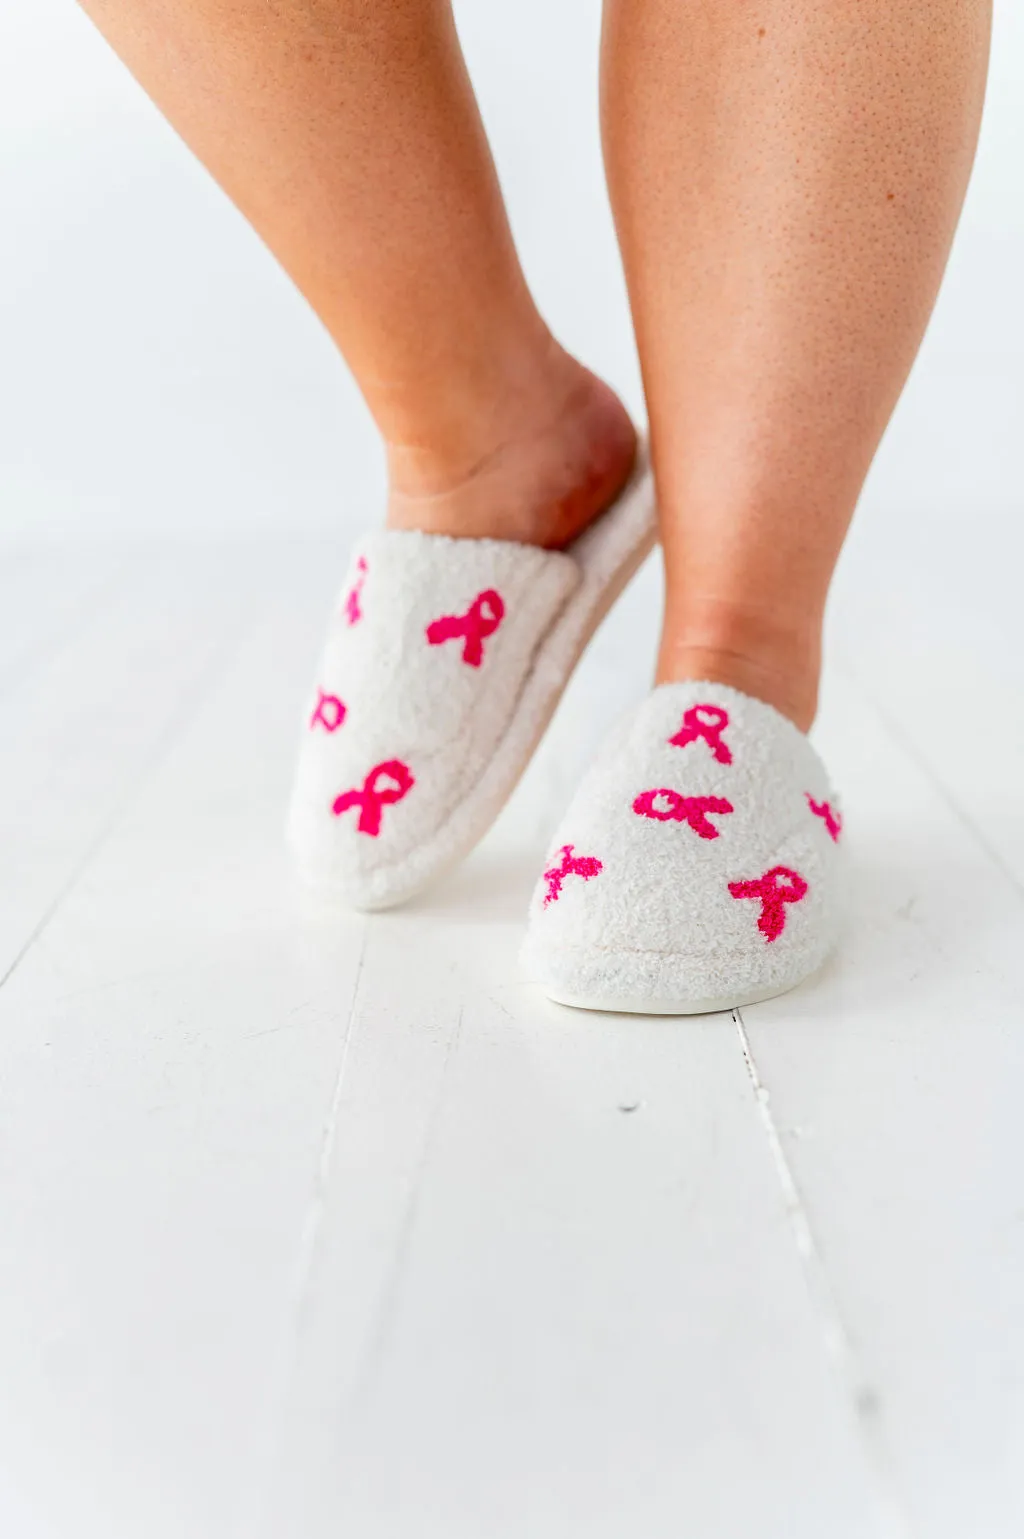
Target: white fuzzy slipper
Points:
(698, 867)
(444, 662)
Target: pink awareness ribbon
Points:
(707, 722)
(774, 890)
(481, 620)
(328, 713)
(832, 820)
(375, 795)
(585, 866)
(674, 808)
(352, 610)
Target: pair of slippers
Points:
(697, 866)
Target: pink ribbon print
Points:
(375, 794)
(773, 891)
(329, 712)
(585, 866)
(352, 609)
(481, 620)
(831, 819)
(667, 806)
(707, 722)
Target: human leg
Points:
(786, 179)
(347, 132)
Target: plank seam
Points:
(300, 1290)
(376, 1339)
(316, 1207)
(861, 1395)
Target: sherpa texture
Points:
(444, 661)
(698, 867)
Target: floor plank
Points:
(167, 1052)
(79, 728)
(556, 1292)
(48, 592)
(316, 1221)
(894, 1081)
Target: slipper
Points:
(698, 867)
(444, 662)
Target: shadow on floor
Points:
(491, 885)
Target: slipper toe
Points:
(698, 867)
(428, 649)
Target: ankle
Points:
(536, 466)
(781, 670)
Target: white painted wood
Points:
(48, 594)
(556, 1292)
(930, 629)
(83, 718)
(530, 1311)
(894, 1084)
(313, 1223)
(167, 1051)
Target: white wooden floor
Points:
(313, 1224)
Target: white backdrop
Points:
(159, 375)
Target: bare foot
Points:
(560, 453)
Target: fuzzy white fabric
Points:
(698, 867)
(444, 661)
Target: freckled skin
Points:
(786, 177)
